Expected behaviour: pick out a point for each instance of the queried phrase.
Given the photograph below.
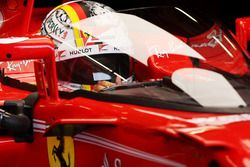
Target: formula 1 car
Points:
(182, 98)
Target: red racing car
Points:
(82, 84)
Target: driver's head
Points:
(59, 23)
(76, 50)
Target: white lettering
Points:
(117, 162)
(17, 66)
(54, 28)
(212, 42)
(80, 51)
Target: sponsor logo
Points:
(61, 151)
(17, 66)
(212, 39)
(117, 162)
(80, 51)
(159, 52)
(40, 126)
(55, 28)
(60, 54)
(62, 16)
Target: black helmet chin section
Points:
(16, 118)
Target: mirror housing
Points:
(34, 47)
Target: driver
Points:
(83, 61)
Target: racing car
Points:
(178, 92)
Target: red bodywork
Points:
(111, 134)
(243, 31)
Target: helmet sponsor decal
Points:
(55, 28)
(62, 16)
(67, 51)
(61, 151)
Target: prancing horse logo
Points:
(58, 152)
(61, 151)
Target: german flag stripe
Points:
(81, 15)
(78, 9)
(74, 19)
(85, 9)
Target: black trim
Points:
(144, 102)
(19, 85)
(16, 117)
(84, 8)
(73, 129)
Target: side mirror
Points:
(243, 31)
(34, 48)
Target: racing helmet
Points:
(78, 54)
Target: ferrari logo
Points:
(61, 151)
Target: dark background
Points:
(225, 10)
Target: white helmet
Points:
(72, 44)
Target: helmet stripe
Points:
(82, 15)
(74, 19)
(85, 9)
(79, 10)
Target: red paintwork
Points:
(213, 58)
(243, 31)
(139, 136)
(160, 66)
(35, 47)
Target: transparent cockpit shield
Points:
(134, 36)
(211, 50)
(208, 88)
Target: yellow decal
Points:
(86, 87)
(61, 151)
(74, 19)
